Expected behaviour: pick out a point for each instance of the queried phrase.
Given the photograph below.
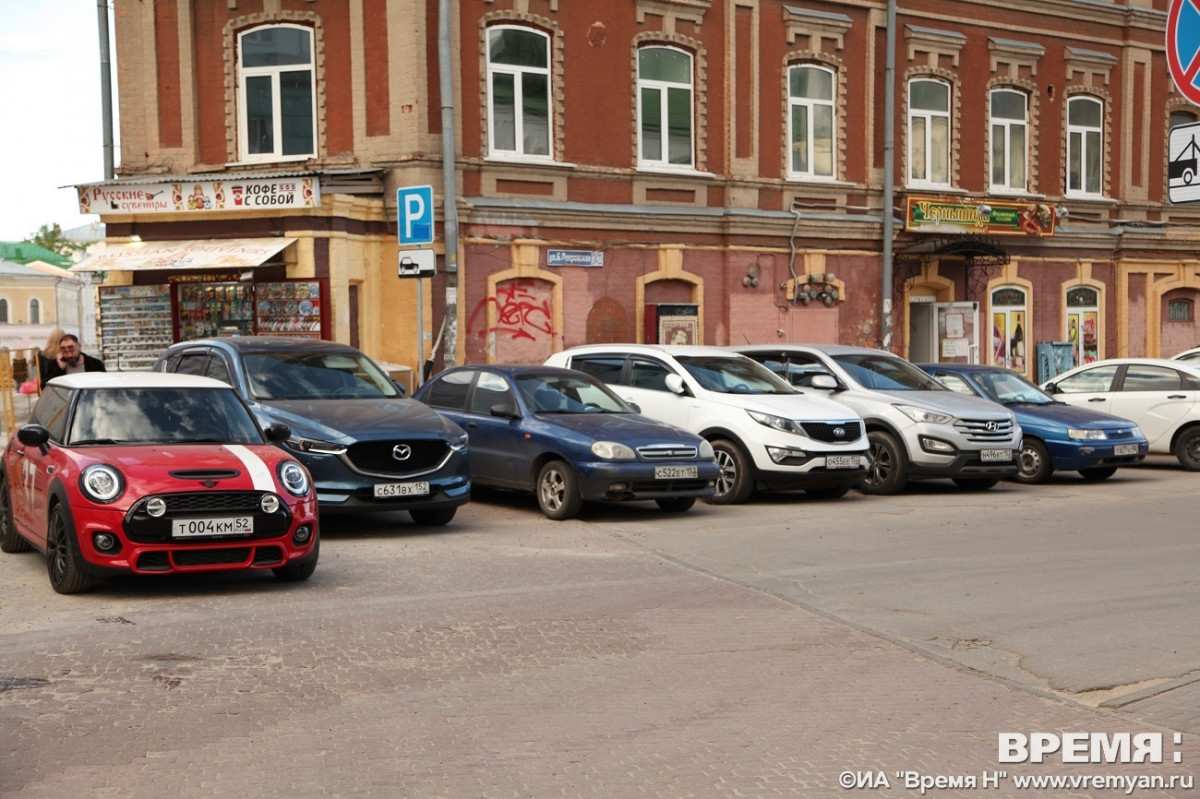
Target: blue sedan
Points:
(565, 436)
(1057, 436)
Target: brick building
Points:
(708, 169)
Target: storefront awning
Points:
(211, 254)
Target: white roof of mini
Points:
(136, 380)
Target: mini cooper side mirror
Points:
(278, 432)
(34, 435)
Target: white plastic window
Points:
(518, 92)
(277, 96)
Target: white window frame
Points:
(1004, 128)
(662, 88)
(517, 73)
(273, 72)
(34, 311)
(929, 116)
(1081, 150)
(808, 106)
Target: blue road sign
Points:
(414, 205)
(1183, 47)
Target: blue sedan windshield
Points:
(568, 394)
(1008, 388)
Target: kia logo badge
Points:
(401, 452)
(839, 432)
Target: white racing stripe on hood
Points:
(260, 473)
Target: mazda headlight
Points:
(294, 478)
(458, 443)
(776, 422)
(314, 446)
(922, 415)
(612, 451)
(101, 483)
(1087, 435)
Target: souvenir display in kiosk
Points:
(290, 308)
(135, 325)
(215, 309)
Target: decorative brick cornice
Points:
(1014, 55)
(1092, 66)
(815, 26)
(673, 10)
(933, 43)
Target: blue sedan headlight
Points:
(706, 450)
(101, 483)
(1087, 435)
(612, 451)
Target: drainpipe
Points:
(106, 123)
(449, 185)
(889, 182)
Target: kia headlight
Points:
(314, 446)
(1087, 435)
(294, 478)
(920, 415)
(612, 451)
(101, 483)
(776, 422)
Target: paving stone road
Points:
(501, 656)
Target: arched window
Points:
(277, 89)
(1085, 145)
(35, 312)
(518, 92)
(928, 132)
(1010, 151)
(810, 121)
(664, 84)
(1009, 328)
(1083, 323)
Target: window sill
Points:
(683, 172)
(1089, 198)
(933, 187)
(1015, 194)
(818, 181)
(283, 159)
(527, 161)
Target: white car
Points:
(764, 432)
(1192, 355)
(1161, 395)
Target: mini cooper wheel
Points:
(299, 571)
(61, 559)
(1187, 449)
(558, 491)
(1098, 473)
(432, 517)
(734, 480)
(10, 539)
(676, 504)
(1034, 462)
(886, 465)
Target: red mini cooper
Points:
(149, 473)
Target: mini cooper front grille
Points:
(204, 474)
(662, 452)
(190, 559)
(985, 429)
(828, 431)
(142, 528)
(398, 458)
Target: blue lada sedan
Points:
(1057, 436)
(565, 436)
(366, 445)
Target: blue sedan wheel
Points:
(558, 491)
(1034, 462)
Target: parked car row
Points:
(220, 459)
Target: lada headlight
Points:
(294, 478)
(921, 415)
(612, 451)
(776, 422)
(101, 483)
(1087, 435)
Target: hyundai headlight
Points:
(776, 422)
(101, 483)
(612, 451)
(925, 416)
(1087, 435)
(294, 478)
(314, 446)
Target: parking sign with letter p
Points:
(414, 206)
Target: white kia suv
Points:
(765, 432)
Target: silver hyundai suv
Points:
(917, 427)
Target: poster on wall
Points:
(1000, 339)
(678, 329)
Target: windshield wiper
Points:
(86, 441)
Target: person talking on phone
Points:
(71, 360)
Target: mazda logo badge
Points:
(992, 427)
(839, 432)
(401, 452)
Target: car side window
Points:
(491, 389)
(647, 373)
(171, 364)
(450, 391)
(193, 363)
(605, 368)
(1090, 380)
(1145, 377)
(218, 369)
(51, 411)
(801, 369)
(954, 382)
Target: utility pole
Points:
(106, 111)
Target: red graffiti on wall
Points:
(519, 312)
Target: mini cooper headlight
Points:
(294, 478)
(101, 483)
(612, 451)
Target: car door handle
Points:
(472, 425)
(1177, 396)
(1097, 399)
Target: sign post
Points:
(414, 225)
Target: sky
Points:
(51, 132)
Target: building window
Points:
(1009, 328)
(1085, 145)
(810, 122)
(1083, 323)
(1010, 123)
(276, 81)
(518, 92)
(1179, 311)
(4, 312)
(35, 312)
(928, 133)
(1180, 117)
(665, 92)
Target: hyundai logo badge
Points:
(992, 427)
(401, 452)
(839, 432)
